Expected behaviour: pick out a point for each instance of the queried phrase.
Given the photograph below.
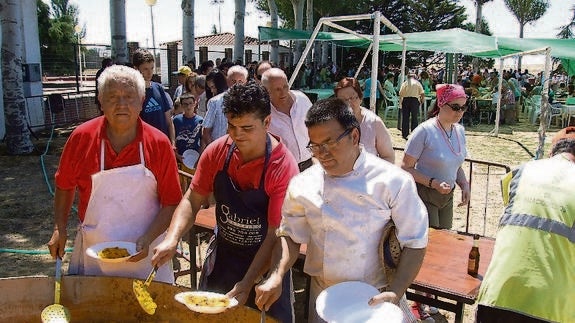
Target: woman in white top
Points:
(434, 154)
(374, 135)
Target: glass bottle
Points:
(473, 261)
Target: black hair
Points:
(242, 99)
(565, 145)
(142, 56)
(219, 80)
(332, 109)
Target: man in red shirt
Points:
(126, 175)
(248, 171)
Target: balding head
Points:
(273, 74)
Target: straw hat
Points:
(389, 250)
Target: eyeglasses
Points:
(316, 148)
(457, 107)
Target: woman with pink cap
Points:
(435, 152)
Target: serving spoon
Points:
(142, 295)
(56, 312)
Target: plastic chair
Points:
(391, 104)
(554, 111)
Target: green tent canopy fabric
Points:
(454, 40)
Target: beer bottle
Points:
(473, 262)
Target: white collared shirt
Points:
(291, 128)
(341, 219)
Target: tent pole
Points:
(305, 52)
(363, 61)
(544, 104)
(374, 59)
(403, 56)
(498, 111)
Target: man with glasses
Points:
(339, 208)
(289, 108)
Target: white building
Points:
(221, 45)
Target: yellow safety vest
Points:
(532, 270)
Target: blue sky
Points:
(168, 19)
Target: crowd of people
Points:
(280, 172)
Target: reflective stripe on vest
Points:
(538, 223)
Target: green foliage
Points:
(58, 37)
(527, 11)
(566, 32)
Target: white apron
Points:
(123, 204)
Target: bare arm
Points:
(409, 265)
(464, 185)
(182, 221)
(383, 142)
(408, 164)
(63, 200)
(206, 137)
(285, 254)
(259, 266)
(171, 128)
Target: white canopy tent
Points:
(378, 19)
(544, 96)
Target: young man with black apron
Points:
(248, 171)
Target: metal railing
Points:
(481, 214)
(60, 109)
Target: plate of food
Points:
(348, 302)
(206, 302)
(112, 251)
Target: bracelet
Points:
(430, 181)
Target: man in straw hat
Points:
(339, 208)
(531, 277)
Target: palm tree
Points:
(188, 35)
(239, 30)
(17, 132)
(478, 18)
(526, 11)
(274, 52)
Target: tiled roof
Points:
(226, 39)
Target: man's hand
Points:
(57, 243)
(142, 248)
(268, 292)
(387, 296)
(164, 252)
(241, 291)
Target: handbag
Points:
(389, 250)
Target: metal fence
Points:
(481, 215)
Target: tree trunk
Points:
(239, 26)
(118, 31)
(324, 48)
(17, 132)
(298, 18)
(188, 35)
(309, 22)
(274, 54)
(478, 18)
(521, 26)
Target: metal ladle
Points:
(56, 312)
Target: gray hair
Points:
(273, 73)
(121, 74)
(239, 70)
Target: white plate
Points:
(347, 302)
(190, 157)
(181, 297)
(93, 250)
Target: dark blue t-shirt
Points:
(155, 106)
(188, 132)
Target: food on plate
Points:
(113, 253)
(207, 300)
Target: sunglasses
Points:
(457, 107)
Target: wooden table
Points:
(444, 271)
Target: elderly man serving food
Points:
(126, 176)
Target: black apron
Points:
(242, 225)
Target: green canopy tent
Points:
(448, 41)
